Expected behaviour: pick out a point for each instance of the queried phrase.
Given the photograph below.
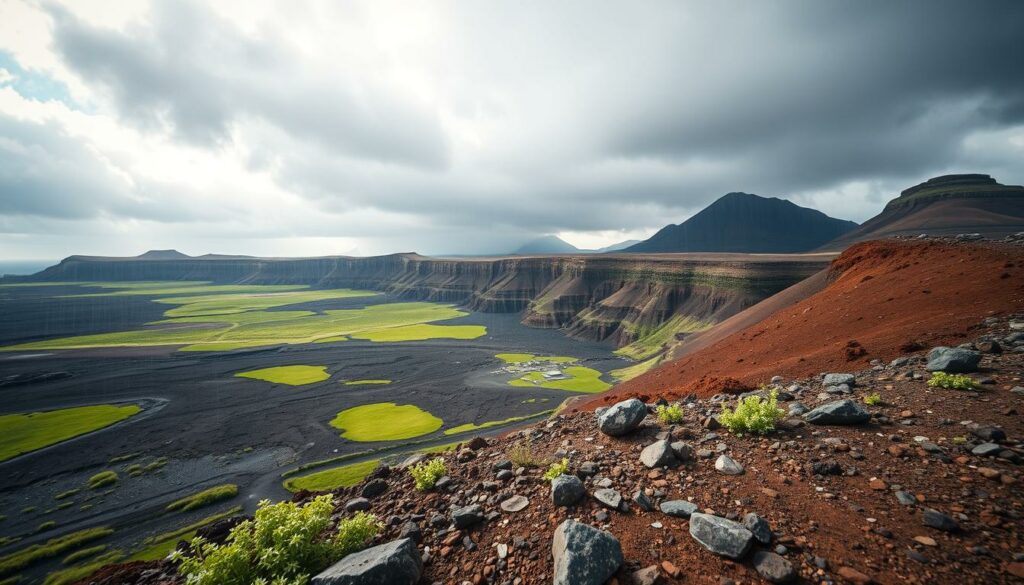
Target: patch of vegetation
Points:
(20, 559)
(523, 454)
(5, 540)
(873, 399)
(63, 505)
(159, 546)
(282, 545)
(329, 479)
(650, 342)
(48, 525)
(556, 469)
(422, 332)
(13, 578)
(123, 458)
(290, 375)
(427, 473)
(522, 358)
(637, 369)
(155, 465)
(363, 382)
(951, 381)
(494, 423)
(580, 379)
(83, 553)
(103, 478)
(28, 509)
(164, 289)
(76, 574)
(753, 415)
(669, 414)
(67, 494)
(23, 433)
(204, 498)
(385, 421)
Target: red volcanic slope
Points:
(884, 298)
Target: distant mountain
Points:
(547, 245)
(741, 222)
(946, 205)
(163, 255)
(616, 247)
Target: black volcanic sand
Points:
(215, 428)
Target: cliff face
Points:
(741, 222)
(616, 297)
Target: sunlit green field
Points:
(290, 375)
(581, 380)
(21, 433)
(239, 316)
(329, 479)
(385, 421)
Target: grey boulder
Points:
(954, 360)
(728, 466)
(678, 508)
(838, 379)
(622, 417)
(394, 563)
(658, 454)
(720, 536)
(468, 516)
(840, 412)
(773, 568)
(608, 498)
(566, 490)
(759, 527)
(584, 555)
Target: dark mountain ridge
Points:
(742, 222)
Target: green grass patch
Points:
(123, 458)
(173, 288)
(290, 375)
(366, 382)
(422, 332)
(84, 553)
(385, 421)
(637, 369)
(204, 498)
(48, 525)
(330, 479)
(75, 574)
(651, 342)
(158, 547)
(522, 358)
(23, 433)
(580, 379)
(5, 540)
(494, 423)
(223, 322)
(102, 479)
(67, 494)
(27, 556)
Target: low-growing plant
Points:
(426, 474)
(103, 478)
(873, 399)
(66, 494)
(669, 414)
(523, 454)
(556, 469)
(753, 415)
(48, 525)
(951, 381)
(204, 498)
(959, 440)
(284, 544)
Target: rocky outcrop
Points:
(620, 298)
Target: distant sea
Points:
(21, 267)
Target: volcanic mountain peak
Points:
(163, 255)
(744, 222)
(954, 186)
(549, 244)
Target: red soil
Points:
(884, 298)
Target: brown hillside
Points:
(884, 298)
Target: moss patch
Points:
(102, 479)
(650, 342)
(581, 379)
(494, 423)
(329, 479)
(366, 382)
(385, 421)
(423, 332)
(290, 375)
(20, 559)
(521, 358)
(204, 498)
(630, 372)
(22, 433)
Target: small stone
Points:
(658, 454)
(396, 563)
(759, 527)
(357, 505)
(584, 555)
(467, 516)
(622, 418)
(678, 508)
(566, 490)
(648, 576)
(854, 576)
(987, 449)
(939, 521)
(773, 568)
(954, 360)
(374, 488)
(641, 499)
(840, 412)
(608, 498)
(720, 536)
(728, 466)
(515, 504)
(925, 540)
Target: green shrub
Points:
(556, 469)
(523, 454)
(873, 399)
(753, 415)
(283, 545)
(669, 415)
(427, 474)
(102, 478)
(951, 381)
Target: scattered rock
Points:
(759, 527)
(374, 488)
(394, 563)
(566, 490)
(720, 536)
(584, 555)
(658, 454)
(853, 576)
(838, 379)
(467, 516)
(840, 412)
(940, 521)
(727, 465)
(622, 417)
(678, 508)
(773, 568)
(648, 576)
(608, 498)
(357, 505)
(954, 360)
(515, 504)
(641, 499)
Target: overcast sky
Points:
(311, 128)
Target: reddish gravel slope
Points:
(884, 298)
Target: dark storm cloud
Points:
(197, 73)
